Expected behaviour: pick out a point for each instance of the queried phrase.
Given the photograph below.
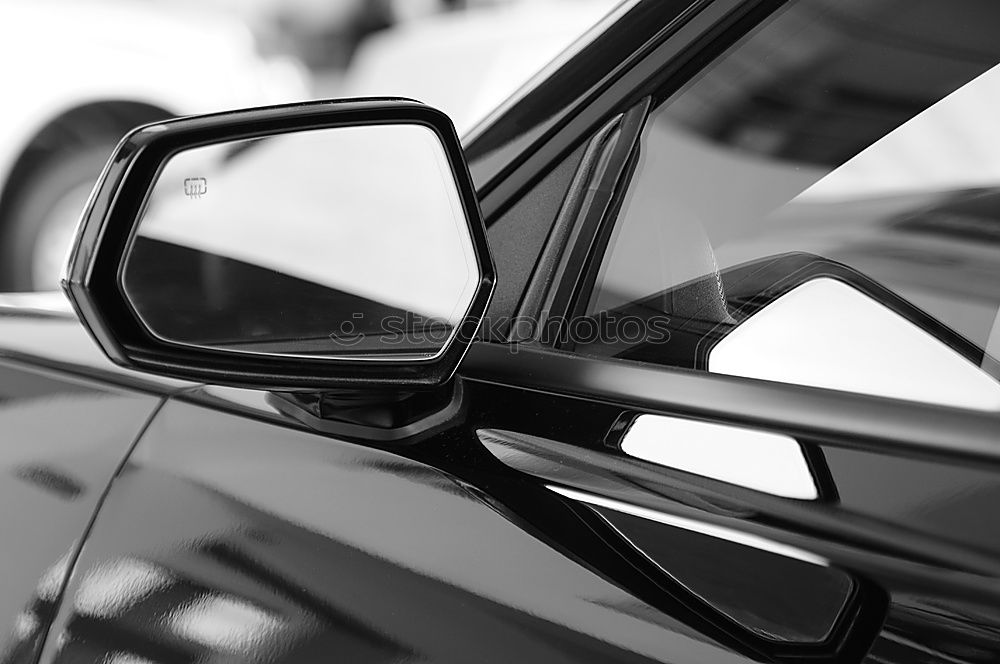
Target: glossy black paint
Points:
(93, 278)
(235, 532)
(248, 508)
(53, 339)
(277, 540)
(241, 511)
(62, 442)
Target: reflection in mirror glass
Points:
(347, 242)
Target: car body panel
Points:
(249, 542)
(40, 329)
(256, 535)
(63, 441)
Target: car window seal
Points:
(593, 197)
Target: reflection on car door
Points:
(63, 441)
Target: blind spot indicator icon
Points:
(195, 187)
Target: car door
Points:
(557, 514)
(65, 435)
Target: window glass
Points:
(846, 140)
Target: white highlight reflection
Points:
(111, 589)
(692, 525)
(223, 623)
(759, 460)
(125, 658)
(828, 334)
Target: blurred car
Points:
(465, 63)
(77, 75)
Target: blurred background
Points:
(78, 74)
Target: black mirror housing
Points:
(93, 276)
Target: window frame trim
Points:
(680, 52)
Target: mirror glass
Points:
(343, 243)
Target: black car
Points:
(689, 355)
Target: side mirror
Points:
(319, 245)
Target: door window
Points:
(830, 189)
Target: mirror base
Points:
(398, 416)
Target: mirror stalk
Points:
(388, 415)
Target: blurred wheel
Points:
(43, 213)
